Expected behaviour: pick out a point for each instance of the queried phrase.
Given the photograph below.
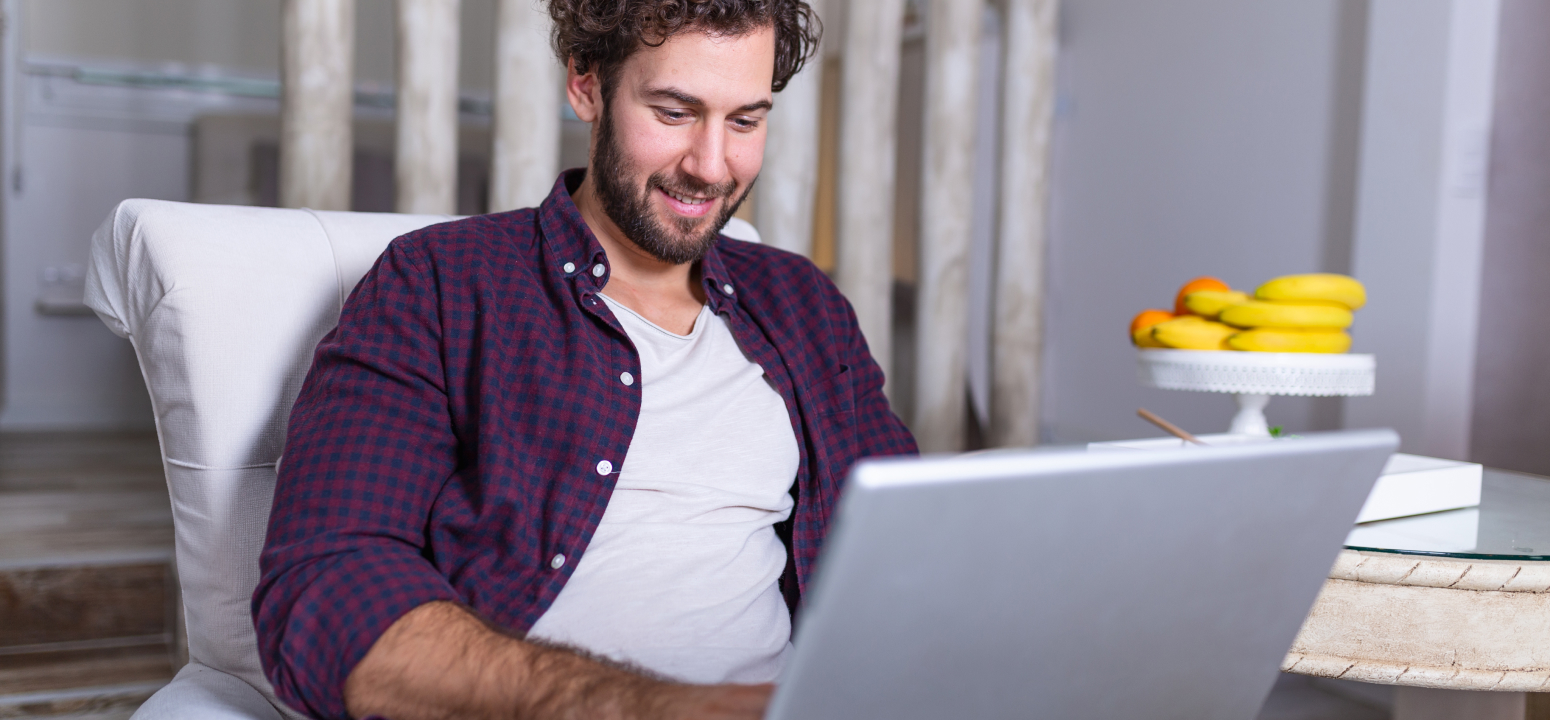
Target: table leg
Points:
(1413, 703)
(1538, 706)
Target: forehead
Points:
(736, 69)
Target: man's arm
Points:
(368, 447)
(440, 661)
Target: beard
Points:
(680, 240)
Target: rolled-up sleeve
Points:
(369, 446)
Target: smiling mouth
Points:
(685, 206)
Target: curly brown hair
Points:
(601, 34)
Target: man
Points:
(577, 461)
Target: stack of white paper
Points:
(1410, 484)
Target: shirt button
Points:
(726, 289)
(604, 467)
(570, 267)
(598, 270)
(557, 562)
(626, 378)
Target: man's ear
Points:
(584, 91)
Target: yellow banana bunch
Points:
(1192, 333)
(1296, 341)
(1290, 314)
(1315, 287)
(1258, 314)
(1211, 303)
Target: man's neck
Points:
(666, 294)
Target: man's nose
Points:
(706, 160)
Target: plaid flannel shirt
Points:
(461, 430)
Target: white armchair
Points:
(224, 306)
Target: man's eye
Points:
(745, 123)
(674, 115)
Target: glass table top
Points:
(1512, 523)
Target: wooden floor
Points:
(88, 603)
(86, 497)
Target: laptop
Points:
(1067, 584)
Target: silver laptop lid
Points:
(1073, 585)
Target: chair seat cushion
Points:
(202, 693)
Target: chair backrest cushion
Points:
(224, 306)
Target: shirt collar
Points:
(576, 254)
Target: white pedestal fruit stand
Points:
(1252, 377)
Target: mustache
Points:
(687, 185)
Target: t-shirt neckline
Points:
(699, 320)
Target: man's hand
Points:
(440, 661)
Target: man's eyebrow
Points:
(672, 93)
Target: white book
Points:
(1410, 484)
(1415, 484)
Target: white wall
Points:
(1192, 137)
(1512, 370)
(1420, 222)
(1247, 140)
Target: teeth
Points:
(686, 199)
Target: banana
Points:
(1210, 303)
(1192, 333)
(1257, 313)
(1143, 338)
(1295, 341)
(1315, 287)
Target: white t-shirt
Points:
(682, 574)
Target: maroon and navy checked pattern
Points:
(445, 445)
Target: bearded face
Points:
(632, 199)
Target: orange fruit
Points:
(1196, 285)
(1141, 326)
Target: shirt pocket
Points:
(834, 395)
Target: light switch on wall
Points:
(62, 290)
